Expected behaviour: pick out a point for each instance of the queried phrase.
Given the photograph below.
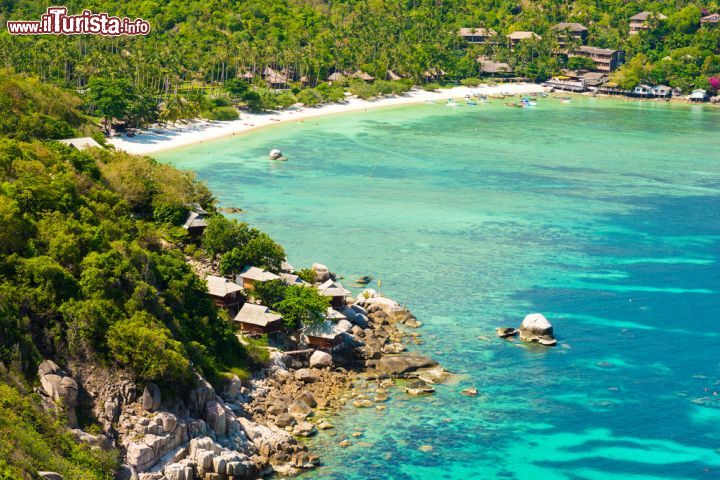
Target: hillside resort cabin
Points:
(709, 20)
(648, 91)
(698, 95)
(494, 69)
(224, 293)
(335, 291)
(196, 221)
(566, 31)
(606, 60)
(478, 36)
(324, 335)
(290, 279)
(249, 275)
(287, 267)
(258, 320)
(516, 37)
(641, 21)
(81, 143)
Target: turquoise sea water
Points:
(603, 215)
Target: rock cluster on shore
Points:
(250, 428)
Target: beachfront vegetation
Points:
(200, 52)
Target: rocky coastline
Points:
(251, 428)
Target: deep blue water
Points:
(602, 215)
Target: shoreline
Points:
(157, 139)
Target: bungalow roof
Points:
(221, 286)
(257, 315)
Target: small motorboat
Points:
(514, 104)
(451, 103)
(471, 102)
(528, 103)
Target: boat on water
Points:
(451, 103)
(514, 104)
(470, 102)
(528, 103)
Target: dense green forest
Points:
(182, 68)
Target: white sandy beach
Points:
(165, 138)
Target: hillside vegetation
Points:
(196, 47)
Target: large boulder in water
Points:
(401, 364)
(322, 272)
(275, 154)
(536, 328)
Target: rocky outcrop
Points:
(398, 365)
(320, 359)
(151, 397)
(322, 272)
(536, 328)
(505, 332)
(60, 388)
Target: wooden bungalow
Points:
(196, 222)
(335, 291)
(516, 37)
(478, 36)
(224, 293)
(391, 75)
(662, 91)
(641, 21)
(81, 143)
(324, 335)
(433, 74)
(364, 76)
(275, 79)
(643, 91)
(290, 279)
(337, 77)
(258, 320)
(249, 275)
(287, 267)
(492, 68)
(698, 95)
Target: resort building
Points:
(324, 335)
(335, 291)
(582, 81)
(478, 36)
(566, 31)
(391, 75)
(196, 221)
(493, 68)
(249, 275)
(662, 91)
(81, 143)
(224, 293)
(258, 320)
(710, 20)
(606, 60)
(642, 21)
(516, 37)
(643, 90)
(287, 267)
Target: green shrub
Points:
(302, 305)
(471, 82)
(145, 346)
(222, 114)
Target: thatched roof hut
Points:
(366, 77)
(258, 319)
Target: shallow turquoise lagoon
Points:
(603, 215)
